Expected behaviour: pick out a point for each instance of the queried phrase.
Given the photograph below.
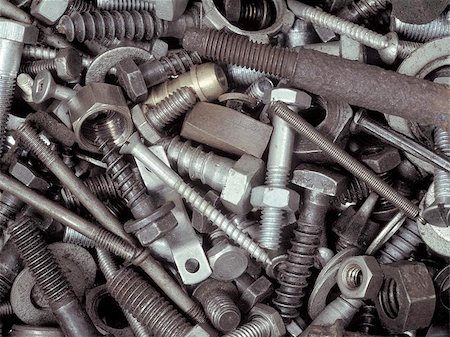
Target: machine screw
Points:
(135, 147)
(216, 298)
(362, 9)
(425, 32)
(31, 245)
(9, 207)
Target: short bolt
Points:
(45, 88)
(31, 245)
(135, 147)
(217, 299)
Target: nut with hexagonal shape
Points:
(49, 11)
(146, 129)
(282, 198)
(380, 158)
(202, 330)
(28, 177)
(360, 277)
(68, 64)
(227, 261)
(247, 173)
(292, 97)
(270, 317)
(407, 298)
(252, 291)
(132, 80)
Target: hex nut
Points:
(247, 173)
(68, 64)
(131, 80)
(317, 178)
(381, 158)
(49, 11)
(227, 261)
(360, 277)
(255, 293)
(407, 299)
(202, 330)
(272, 318)
(90, 104)
(28, 177)
(282, 198)
(18, 32)
(145, 128)
(290, 96)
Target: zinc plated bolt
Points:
(135, 147)
(45, 88)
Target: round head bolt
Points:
(381, 158)
(131, 80)
(68, 64)
(246, 173)
(49, 11)
(271, 317)
(282, 198)
(227, 261)
(360, 277)
(18, 32)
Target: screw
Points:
(46, 53)
(31, 245)
(109, 268)
(243, 76)
(362, 9)
(10, 205)
(76, 238)
(134, 147)
(259, 89)
(8, 10)
(6, 309)
(45, 88)
(216, 298)
(425, 32)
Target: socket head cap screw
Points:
(273, 318)
(18, 32)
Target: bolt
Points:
(6, 309)
(259, 89)
(108, 267)
(8, 10)
(31, 245)
(345, 160)
(46, 53)
(362, 9)
(252, 291)
(438, 213)
(76, 238)
(13, 36)
(134, 147)
(243, 76)
(125, 5)
(435, 29)
(217, 299)
(45, 88)
(328, 76)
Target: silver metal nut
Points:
(202, 330)
(319, 179)
(290, 96)
(49, 11)
(247, 173)
(227, 261)
(277, 327)
(144, 127)
(18, 32)
(131, 80)
(255, 293)
(360, 277)
(28, 177)
(282, 198)
(68, 64)
(380, 158)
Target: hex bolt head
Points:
(227, 261)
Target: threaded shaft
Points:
(406, 48)
(293, 279)
(179, 62)
(257, 327)
(368, 319)
(172, 107)
(79, 6)
(101, 186)
(125, 5)
(344, 159)
(99, 25)
(442, 178)
(141, 300)
(243, 76)
(402, 244)
(30, 139)
(357, 190)
(422, 33)
(362, 9)
(35, 67)
(221, 311)
(130, 185)
(6, 309)
(7, 86)
(259, 88)
(40, 53)
(9, 206)
(76, 238)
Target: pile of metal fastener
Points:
(235, 168)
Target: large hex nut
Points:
(49, 11)
(131, 80)
(407, 299)
(146, 129)
(247, 173)
(282, 198)
(255, 293)
(360, 277)
(317, 178)
(18, 32)
(272, 317)
(227, 261)
(381, 158)
(292, 97)
(68, 65)
(99, 100)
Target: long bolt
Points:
(328, 76)
(31, 245)
(109, 268)
(134, 147)
(345, 160)
(11, 55)
(108, 241)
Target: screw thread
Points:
(220, 309)
(222, 222)
(422, 33)
(293, 278)
(406, 48)
(30, 139)
(6, 309)
(257, 327)
(258, 89)
(40, 53)
(9, 206)
(368, 319)
(402, 244)
(130, 185)
(356, 190)
(76, 238)
(442, 178)
(172, 107)
(363, 9)
(141, 300)
(35, 67)
(7, 86)
(99, 25)
(179, 62)
(114, 244)
(101, 186)
(79, 6)
(125, 5)
(33, 249)
(243, 76)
